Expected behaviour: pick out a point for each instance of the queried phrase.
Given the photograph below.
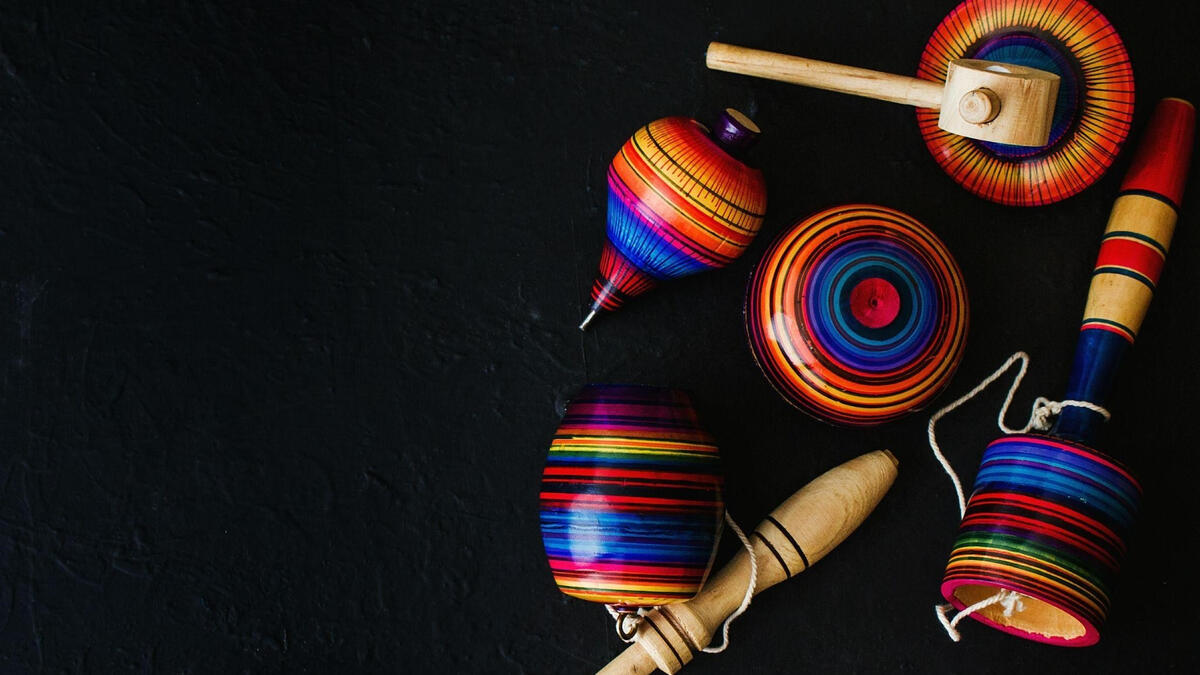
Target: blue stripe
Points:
(634, 236)
(1097, 355)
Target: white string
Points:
(937, 451)
(1010, 600)
(751, 585)
(623, 618)
(1040, 418)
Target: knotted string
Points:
(627, 621)
(1041, 417)
(1010, 600)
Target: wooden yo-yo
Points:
(680, 201)
(797, 534)
(1049, 516)
(857, 315)
(631, 500)
(1023, 103)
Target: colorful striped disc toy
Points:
(679, 202)
(1092, 113)
(857, 315)
(631, 500)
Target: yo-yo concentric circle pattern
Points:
(1092, 114)
(857, 315)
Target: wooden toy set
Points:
(858, 315)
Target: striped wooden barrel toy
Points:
(631, 500)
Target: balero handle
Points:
(798, 533)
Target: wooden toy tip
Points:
(591, 315)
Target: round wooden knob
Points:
(979, 106)
(998, 102)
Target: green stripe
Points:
(1136, 235)
(1125, 273)
(1106, 322)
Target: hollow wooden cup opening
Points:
(1036, 616)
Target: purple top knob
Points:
(735, 132)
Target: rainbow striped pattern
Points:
(1092, 114)
(678, 203)
(857, 315)
(1048, 519)
(631, 503)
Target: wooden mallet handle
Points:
(824, 75)
(796, 535)
(988, 101)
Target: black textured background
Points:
(288, 300)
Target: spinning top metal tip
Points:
(591, 315)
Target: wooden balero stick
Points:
(795, 536)
(1049, 516)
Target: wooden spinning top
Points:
(857, 315)
(680, 201)
(996, 102)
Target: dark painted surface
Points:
(288, 301)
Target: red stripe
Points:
(647, 184)
(588, 483)
(639, 509)
(1027, 524)
(565, 566)
(1074, 517)
(1131, 254)
(578, 500)
(599, 472)
(1108, 327)
(1161, 163)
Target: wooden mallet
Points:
(984, 100)
(796, 535)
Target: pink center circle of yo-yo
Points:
(874, 302)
